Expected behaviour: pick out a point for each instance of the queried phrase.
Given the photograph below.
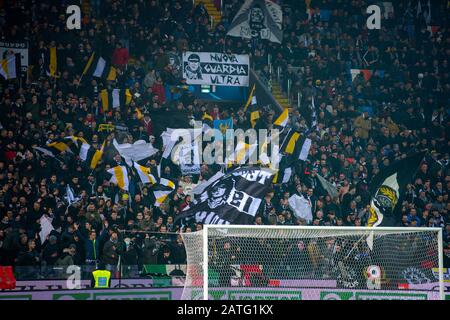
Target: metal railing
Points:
(57, 272)
(27, 273)
(278, 77)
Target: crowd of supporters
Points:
(363, 125)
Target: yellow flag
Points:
(254, 116)
(60, 146)
(207, 117)
(53, 62)
(291, 143)
(112, 74)
(128, 96)
(139, 114)
(89, 63)
(105, 102)
(97, 156)
(283, 118)
(120, 177)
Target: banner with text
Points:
(212, 68)
(16, 47)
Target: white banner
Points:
(212, 68)
(16, 47)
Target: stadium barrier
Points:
(220, 294)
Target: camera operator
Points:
(150, 250)
(130, 258)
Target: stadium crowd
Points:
(363, 125)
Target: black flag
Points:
(387, 187)
(232, 199)
(161, 121)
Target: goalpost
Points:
(236, 262)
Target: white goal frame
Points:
(401, 229)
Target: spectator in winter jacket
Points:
(111, 251)
(150, 250)
(165, 257)
(91, 243)
(120, 56)
(146, 122)
(51, 251)
(363, 125)
(159, 90)
(67, 257)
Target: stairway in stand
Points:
(279, 95)
(212, 10)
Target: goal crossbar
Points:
(318, 228)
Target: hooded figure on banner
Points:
(193, 69)
(218, 194)
(258, 19)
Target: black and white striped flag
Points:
(99, 67)
(10, 66)
(115, 98)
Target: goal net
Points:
(313, 263)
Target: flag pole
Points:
(79, 81)
(354, 246)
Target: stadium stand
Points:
(379, 96)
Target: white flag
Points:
(69, 195)
(330, 188)
(144, 174)
(8, 67)
(305, 149)
(120, 177)
(369, 240)
(136, 151)
(46, 227)
(301, 207)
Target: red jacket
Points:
(7, 279)
(120, 57)
(147, 126)
(215, 115)
(10, 155)
(160, 91)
